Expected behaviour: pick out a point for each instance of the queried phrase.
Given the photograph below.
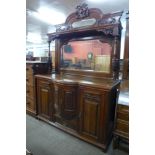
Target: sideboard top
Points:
(105, 84)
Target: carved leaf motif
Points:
(92, 97)
(107, 31)
(82, 11)
(63, 27)
(107, 21)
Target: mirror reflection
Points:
(92, 55)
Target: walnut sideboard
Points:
(80, 107)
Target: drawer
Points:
(123, 116)
(29, 91)
(122, 108)
(122, 126)
(29, 69)
(29, 80)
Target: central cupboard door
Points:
(90, 112)
(66, 104)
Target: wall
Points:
(80, 49)
(39, 50)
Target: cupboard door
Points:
(90, 113)
(44, 98)
(66, 105)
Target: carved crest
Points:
(82, 11)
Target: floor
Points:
(44, 139)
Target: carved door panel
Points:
(44, 98)
(67, 98)
(66, 105)
(90, 106)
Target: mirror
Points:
(92, 55)
(84, 22)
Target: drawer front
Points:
(29, 80)
(29, 69)
(29, 103)
(123, 116)
(29, 91)
(122, 126)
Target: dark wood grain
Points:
(83, 108)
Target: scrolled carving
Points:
(63, 27)
(52, 37)
(82, 11)
(106, 21)
(107, 31)
(92, 97)
(58, 28)
(114, 31)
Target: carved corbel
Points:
(52, 37)
(108, 31)
(114, 31)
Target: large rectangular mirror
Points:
(92, 55)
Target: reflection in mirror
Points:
(92, 55)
